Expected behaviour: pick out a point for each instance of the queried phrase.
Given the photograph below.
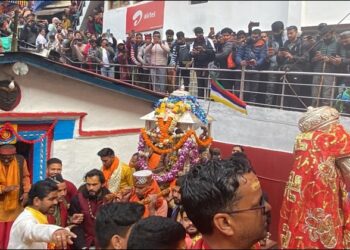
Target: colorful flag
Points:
(219, 94)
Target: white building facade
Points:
(119, 16)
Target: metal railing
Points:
(290, 90)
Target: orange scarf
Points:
(10, 176)
(152, 189)
(107, 172)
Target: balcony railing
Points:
(289, 93)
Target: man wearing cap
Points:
(14, 188)
(321, 62)
(145, 188)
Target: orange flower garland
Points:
(164, 126)
(179, 144)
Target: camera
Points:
(253, 24)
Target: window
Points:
(198, 2)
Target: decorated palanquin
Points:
(169, 144)
(315, 210)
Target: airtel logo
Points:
(137, 17)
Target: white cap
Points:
(142, 176)
(120, 41)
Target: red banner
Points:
(143, 17)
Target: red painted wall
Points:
(273, 169)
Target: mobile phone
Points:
(283, 49)
(212, 29)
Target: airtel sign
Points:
(143, 17)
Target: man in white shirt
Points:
(31, 229)
(159, 57)
(105, 56)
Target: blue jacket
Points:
(257, 51)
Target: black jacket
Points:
(205, 57)
(300, 61)
(221, 56)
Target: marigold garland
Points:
(202, 143)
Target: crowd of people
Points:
(120, 206)
(141, 58)
(282, 48)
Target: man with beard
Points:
(192, 234)
(31, 229)
(225, 202)
(87, 202)
(58, 215)
(176, 195)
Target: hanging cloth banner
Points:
(7, 136)
(8, 128)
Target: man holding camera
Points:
(202, 51)
(293, 56)
(252, 55)
(158, 51)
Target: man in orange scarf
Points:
(117, 174)
(14, 188)
(147, 188)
